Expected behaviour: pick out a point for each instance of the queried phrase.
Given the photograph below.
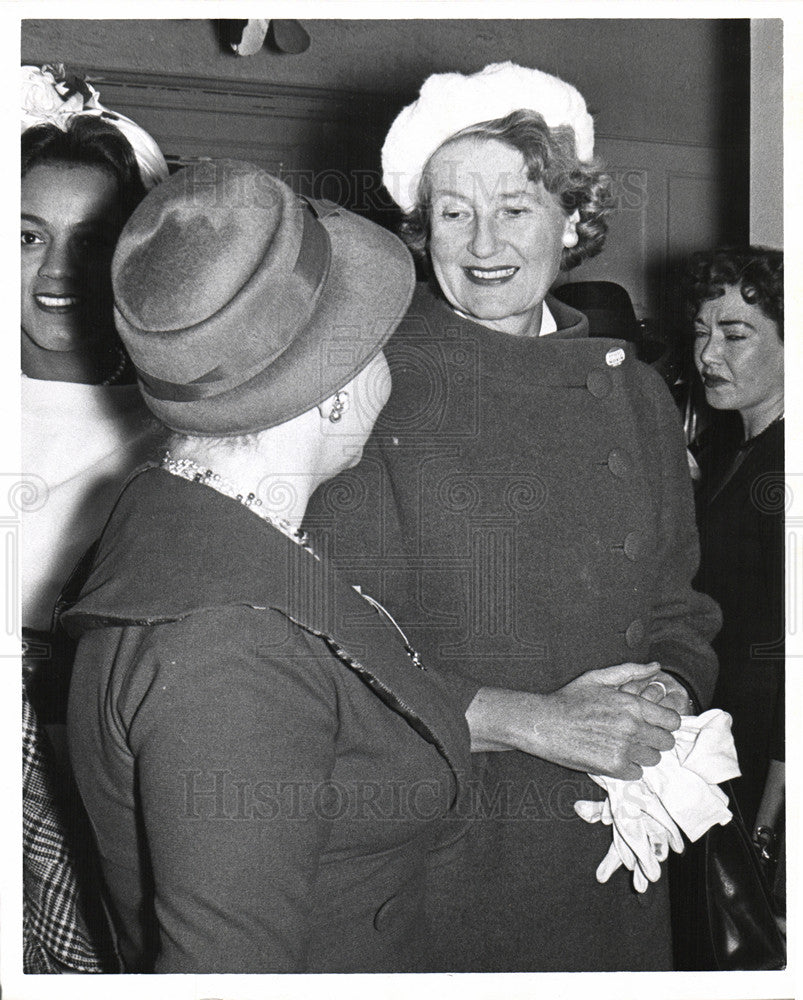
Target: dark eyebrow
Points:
(99, 223)
(504, 196)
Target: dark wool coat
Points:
(269, 777)
(741, 519)
(525, 506)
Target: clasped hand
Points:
(612, 721)
(616, 720)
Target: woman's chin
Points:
(348, 459)
(353, 457)
(718, 400)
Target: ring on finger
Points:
(659, 684)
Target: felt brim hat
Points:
(451, 102)
(243, 306)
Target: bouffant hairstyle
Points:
(88, 141)
(550, 157)
(756, 271)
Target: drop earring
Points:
(337, 408)
(570, 235)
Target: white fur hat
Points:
(450, 102)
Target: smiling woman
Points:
(496, 236)
(527, 505)
(80, 182)
(78, 187)
(67, 244)
(83, 429)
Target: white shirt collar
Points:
(548, 323)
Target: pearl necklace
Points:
(122, 359)
(185, 468)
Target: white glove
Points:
(618, 853)
(679, 792)
(686, 778)
(643, 831)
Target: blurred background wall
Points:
(671, 99)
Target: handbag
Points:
(743, 933)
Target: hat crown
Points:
(243, 305)
(199, 238)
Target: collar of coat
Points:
(172, 547)
(570, 322)
(563, 359)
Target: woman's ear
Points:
(570, 236)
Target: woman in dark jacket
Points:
(268, 767)
(737, 301)
(530, 494)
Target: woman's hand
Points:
(662, 689)
(588, 725)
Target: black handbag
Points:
(743, 932)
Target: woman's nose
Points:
(484, 240)
(709, 351)
(60, 260)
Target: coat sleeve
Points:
(234, 740)
(683, 621)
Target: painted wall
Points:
(766, 126)
(665, 80)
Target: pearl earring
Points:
(337, 407)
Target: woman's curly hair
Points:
(550, 157)
(756, 271)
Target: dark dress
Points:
(525, 505)
(269, 777)
(740, 512)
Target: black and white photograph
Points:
(401, 530)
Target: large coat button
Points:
(634, 634)
(598, 383)
(620, 463)
(634, 546)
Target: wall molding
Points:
(176, 92)
(172, 92)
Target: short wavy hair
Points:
(88, 141)
(756, 271)
(550, 157)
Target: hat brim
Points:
(367, 292)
